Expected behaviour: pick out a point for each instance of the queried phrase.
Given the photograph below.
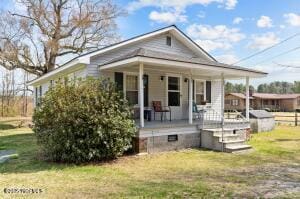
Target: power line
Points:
(266, 49)
(278, 55)
(286, 66)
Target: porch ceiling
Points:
(170, 63)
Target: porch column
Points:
(141, 94)
(222, 94)
(190, 100)
(247, 98)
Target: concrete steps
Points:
(233, 140)
(237, 148)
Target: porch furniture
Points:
(198, 113)
(158, 108)
(148, 113)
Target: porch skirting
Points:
(152, 140)
(167, 139)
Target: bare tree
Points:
(48, 30)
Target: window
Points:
(199, 92)
(168, 41)
(235, 102)
(173, 91)
(227, 102)
(132, 89)
(273, 102)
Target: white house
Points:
(166, 66)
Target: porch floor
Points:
(166, 123)
(157, 124)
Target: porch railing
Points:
(234, 119)
(211, 119)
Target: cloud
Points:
(167, 17)
(263, 41)
(230, 4)
(210, 45)
(227, 58)
(237, 20)
(201, 14)
(292, 19)
(214, 37)
(178, 5)
(264, 22)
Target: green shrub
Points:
(84, 120)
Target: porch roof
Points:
(147, 55)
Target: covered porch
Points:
(178, 83)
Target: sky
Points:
(229, 30)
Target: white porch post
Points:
(222, 94)
(141, 94)
(247, 98)
(190, 100)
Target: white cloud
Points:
(227, 58)
(201, 14)
(237, 20)
(215, 32)
(210, 45)
(214, 37)
(263, 41)
(230, 4)
(264, 22)
(167, 17)
(282, 26)
(292, 19)
(178, 5)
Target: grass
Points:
(184, 174)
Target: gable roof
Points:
(142, 52)
(181, 36)
(275, 96)
(85, 58)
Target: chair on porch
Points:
(158, 108)
(196, 112)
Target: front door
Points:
(173, 96)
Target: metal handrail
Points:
(211, 118)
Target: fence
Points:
(287, 118)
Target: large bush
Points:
(83, 120)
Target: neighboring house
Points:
(281, 102)
(277, 102)
(167, 66)
(237, 101)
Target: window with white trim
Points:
(173, 91)
(132, 94)
(199, 92)
(235, 102)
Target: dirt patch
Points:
(272, 181)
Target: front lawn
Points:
(271, 170)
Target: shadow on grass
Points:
(27, 160)
(287, 140)
(4, 126)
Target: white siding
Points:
(45, 86)
(157, 43)
(216, 96)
